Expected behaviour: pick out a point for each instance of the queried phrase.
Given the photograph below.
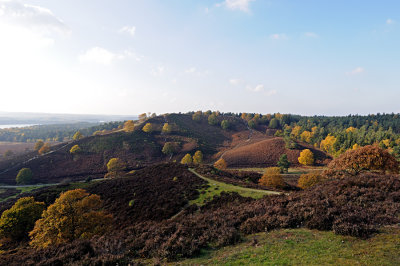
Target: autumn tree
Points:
(142, 117)
(197, 116)
(306, 157)
(272, 178)
(225, 124)
(327, 144)
(148, 128)
(44, 149)
(39, 144)
(198, 157)
(115, 168)
(212, 120)
(283, 163)
(19, 220)
(24, 176)
(74, 215)
(367, 158)
(167, 128)
(187, 159)
(221, 164)
(309, 180)
(78, 135)
(129, 126)
(75, 149)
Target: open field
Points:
(15, 147)
(306, 247)
(216, 187)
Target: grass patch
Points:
(306, 247)
(215, 188)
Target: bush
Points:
(272, 178)
(309, 180)
(187, 159)
(75, 149)
(44, 149)
(24, 176)
(17, 222)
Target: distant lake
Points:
(17, 125)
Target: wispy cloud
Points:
(100, 56)
(131, 30)
(278, 36)
(158, 70)
(235, 82)
(390, 21)
(195, 71)
(311, 35)
(258, 88)
(356, 71)
(242, 5)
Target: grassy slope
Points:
(216, 187)
(306, 247)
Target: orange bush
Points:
(272, 178)
(310, 179)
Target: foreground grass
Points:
(216, 187)
(306, 247)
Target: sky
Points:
(127, 57)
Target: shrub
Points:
(75, 214)
(367, 158)
(75, 149)
(44, 149)
(17, 222)
(148, 128)
(272, 178)
(310, 179)
(129, 126)
(187, 159)
(220, 164)
(77, 136)
(306, 157)
(24, 176)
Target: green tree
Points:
(19, 220)
(187, 159)
(74, 215)
(24, 176)
(225, 124)
(212, 120)
(169, 148)
(115, 167)
(77, 136)
(148, 128)
(283, 163)
(197, 116)
(274, 123)
(198, 157)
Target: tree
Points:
(327, 144)
(221, 164)
(148, 128)
(225, 124)
(129, 126)
(252, 124)
(289, 143)
(212, 120)
(272, 178)
(306, 157)
(115, 168)
(187, 159)
(75, 149)
(274, 123)
(283, 163)
(78, 135)
(19, 220)
(167, 128)
(24, 176)
(169, 148)
(44, 149)
(142, 117)
(39, 144)
(198, 157)
(309, 180)
(367, 158)
(197, 116)
(74, 215)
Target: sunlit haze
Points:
(128, 57)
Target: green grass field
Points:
(216, 187)
(306, 247)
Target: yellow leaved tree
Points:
(272, 178)
(306, 157)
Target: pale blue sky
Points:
(129, 57)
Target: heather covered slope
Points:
(267, 152)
